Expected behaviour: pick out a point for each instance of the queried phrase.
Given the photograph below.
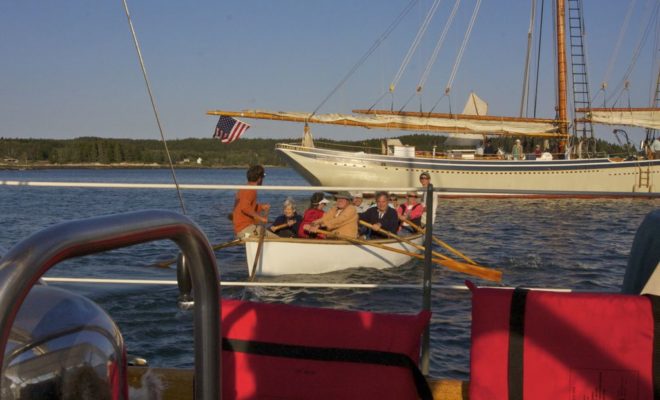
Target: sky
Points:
(70, 69)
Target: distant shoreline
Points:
(20, 167)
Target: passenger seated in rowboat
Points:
(381, 216)
(411, 211)
(287, 224)
(341, 219)
(314, 212)
(394, 201)
(358, 202)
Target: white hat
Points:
(324, 201)
(356, 194)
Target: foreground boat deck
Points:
(177, 384)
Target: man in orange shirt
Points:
(247, 212)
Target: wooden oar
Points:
(481, 272)
(410, 242)
(440, 242)
(166, 263)
(260, 246)
(276, 228)
(402, 239)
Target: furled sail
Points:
(639, 117)
(425, 122)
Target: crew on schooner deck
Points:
(655, 148)
(517, 151)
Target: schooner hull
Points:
(314, 256)
(598, 177)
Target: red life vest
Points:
(286, 352)
(548, 345)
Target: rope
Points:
(408, 101)
(655, 76)
(462, 49)
(366, 55)
(555, 61)
(617, 46)
(413, 46)
(379, 99)
(438, 102)
(538, 59)
(153, 104)
(438, 46)
(530, 30)
(651, 22)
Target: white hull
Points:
(455, 177)
(315, 256)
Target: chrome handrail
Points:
(27, 261)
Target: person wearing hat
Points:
(425, 181)
(517, 151)
(411, 211)
(314, 212)
(341, 219)
(382, 216)
(358, 202)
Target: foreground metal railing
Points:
(25, 263)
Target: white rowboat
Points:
(283, 256)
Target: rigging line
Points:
(651, 22)
(617, 46)
(462, 49)
(413, 46)
(438, 102)
(153, 104)
(438, 46)
(538, 59)
(555, 56)
(379, 99)
(653, 91)
(407, 101)
(525, 88)
(366, 55)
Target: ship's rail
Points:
(184, 186)
(27, 261)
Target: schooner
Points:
(474, 174)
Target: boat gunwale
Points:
(333, 242)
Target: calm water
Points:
(578, 244)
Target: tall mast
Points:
(561, 68)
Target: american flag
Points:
(229, 129)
